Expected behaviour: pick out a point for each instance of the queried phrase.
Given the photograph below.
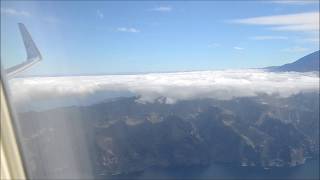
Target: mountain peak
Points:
(307, 63)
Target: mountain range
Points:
(122, 135)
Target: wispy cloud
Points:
(162, 9)
(214, 45)
(51, 19)
(15, 12)
(261, 38)
(100, 14)
(312, 40)
(295, 2)
(238, 48)
(22, 13)
(299, 27)
(295, 49)
(308, 21)
(128, 29)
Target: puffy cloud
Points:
(225, 84)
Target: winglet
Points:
(31, 48)
(33, 53)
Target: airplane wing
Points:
(33, 54)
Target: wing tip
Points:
(33, 53)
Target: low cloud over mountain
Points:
(169, 86)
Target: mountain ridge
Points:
(307, 63)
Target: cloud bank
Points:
(225, 84)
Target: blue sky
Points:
(119, 37)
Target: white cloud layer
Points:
(225, 84)
(308, 21)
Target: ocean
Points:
(309, 170)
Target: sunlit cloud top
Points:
(173, 86)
